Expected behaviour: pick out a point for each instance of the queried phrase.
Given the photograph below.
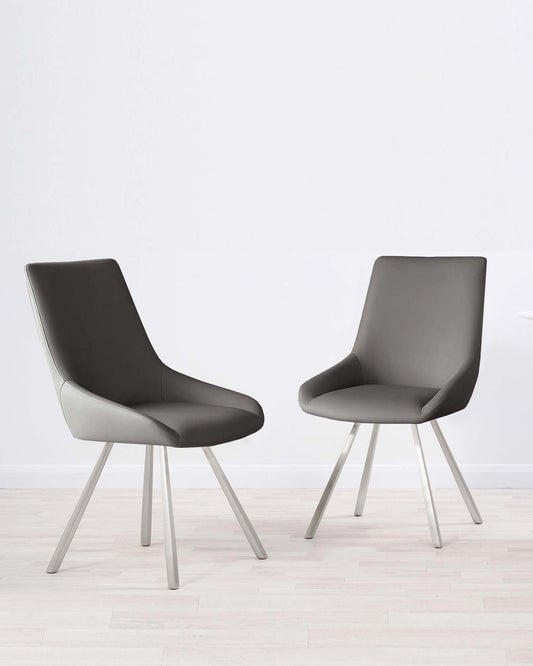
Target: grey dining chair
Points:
(112, 387)
(415, 359)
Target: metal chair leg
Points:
(241, 516)
(77, 514)
(365, 479)
(465, 492)
(328, 490)
(146, 514)
(428, 497)
(168, 522)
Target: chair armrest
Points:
(92, 417)
(178, 387)
(454, 395)
(344, 374)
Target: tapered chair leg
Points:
(428, 496)
(77, 515)
(465, 492)
(168, 522)
(241, 516)
(146, 514)
(365, 479)
(328, 490)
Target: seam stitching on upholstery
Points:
(116, 405)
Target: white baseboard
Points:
(265, 476)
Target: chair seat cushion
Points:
(202, 425)
(372, 403)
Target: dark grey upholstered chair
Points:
(112, 387)
(415, 359)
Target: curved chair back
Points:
(91, 330)
(422, 321)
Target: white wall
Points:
(245, 162)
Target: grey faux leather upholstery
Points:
(416, 355)
(110, 382)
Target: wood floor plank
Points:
(378, 656)
(369, 590)
(87, 656)
(463, 621)
(518, 657)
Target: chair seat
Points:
(372, 403)
(202, 425)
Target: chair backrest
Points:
(91, 330)
(422, 320)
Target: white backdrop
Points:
(245, 162)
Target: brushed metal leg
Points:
(168, 522)
(77, 514)
(241, 516)
(365, 479)
(465, 492)
(428, 497)
(146, 514)
(328, 490)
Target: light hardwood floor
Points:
(368, 590)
